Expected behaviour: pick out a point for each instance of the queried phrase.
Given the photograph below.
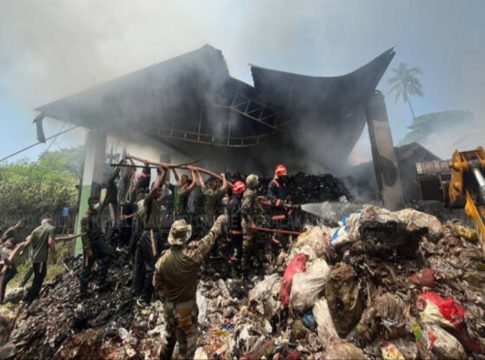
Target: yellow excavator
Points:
(459, 182)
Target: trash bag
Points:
(383, 233)
(443, 344)
(433, 309)
(202, 304)
(307, 286)
(264, 294)
(316, 239)
(345, 300)
(348, 232)
(419, 221)
(325, 326)
(340, 350)
(388, 316)
(297, 264)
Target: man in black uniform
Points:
(278, 197)
(95, 247)
(235, 233)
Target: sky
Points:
(50, 49)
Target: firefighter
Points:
(278, 196)
(250, 211)
(149, 244)
(235, 234)
(95, 247)
(176, 278)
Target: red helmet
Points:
(238, 187)
(281, 170)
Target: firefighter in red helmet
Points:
(278, 196)
(235, 234)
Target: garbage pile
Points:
(392, 285)
(311, 188)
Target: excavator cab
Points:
(459, 183)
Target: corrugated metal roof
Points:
(193, 98)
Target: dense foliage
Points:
(28, 189)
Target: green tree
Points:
(405, 84)
(434, 123)
(30, 188)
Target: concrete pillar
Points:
(93, 171)
(385, 160)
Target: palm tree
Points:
(405, 83)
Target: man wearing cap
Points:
(176, 278)
(250, 210)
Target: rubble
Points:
(304, 188)
(404, 286)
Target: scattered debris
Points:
(404, 287)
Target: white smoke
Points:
(54, 48)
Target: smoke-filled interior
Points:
(191, 101)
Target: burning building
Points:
(189, 107)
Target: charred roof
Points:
(192, 98)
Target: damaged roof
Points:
(193, 98)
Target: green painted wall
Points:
(83, 207)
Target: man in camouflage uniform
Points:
(250, 210)
(149, 243)
(176, 278)
(95, 247)
(183, 190)
(212, 196)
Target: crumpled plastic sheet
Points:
(308, 286)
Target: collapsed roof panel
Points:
(192, 98)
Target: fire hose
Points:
(276, 231)
(177, 166)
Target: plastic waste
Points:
(316, 239)
(297, 264)
(435, 309)
(443, 344)
(348, 231)
(391, 352)
(308, 286)
(309, 320)
(325, 327)
(345, 300)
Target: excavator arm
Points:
(459, 182)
